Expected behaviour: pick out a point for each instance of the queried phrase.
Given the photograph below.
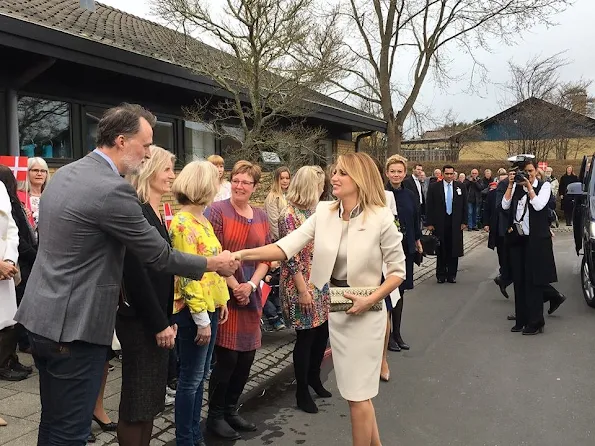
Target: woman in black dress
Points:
(142, 323)
(567, 202)
(410, 225)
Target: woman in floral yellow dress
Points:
(306, 307)
(199, 305)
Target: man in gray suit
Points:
(89, 216)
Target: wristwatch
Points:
(254, 287)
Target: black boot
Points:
(555, 303)
(319, 345)
(396, 315)
(233, 418)
(216, 423)
(304, 399)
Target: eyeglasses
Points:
(38, 171)
(243, 183)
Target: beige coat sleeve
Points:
(271, 207)
(391, 246)
(295, 241)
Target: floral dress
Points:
(291, 219)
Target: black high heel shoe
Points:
(106, 427)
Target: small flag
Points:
(168, 215)
(542, 165)
(265, 290)
(18, 165)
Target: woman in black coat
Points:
(409, 220)
(142, 323)
(27, 254)
(567, 202)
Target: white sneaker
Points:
(169, 400)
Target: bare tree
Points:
(273, 56)
(542, 128)
(390, 31)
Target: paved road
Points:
(467, 381)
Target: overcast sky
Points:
(574, 34)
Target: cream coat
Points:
(373, 240)
(9, 250)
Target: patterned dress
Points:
(291, 219)
(241, 332)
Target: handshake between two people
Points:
(224, 264)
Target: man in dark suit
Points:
(89, 216)
(446, 212)
(414, 184)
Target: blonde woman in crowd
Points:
(224, 188)
(275, 201)
(306, 307)
(353, 237)
(200, 306)
(142, 321)
(38, 175)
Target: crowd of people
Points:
(90, 258)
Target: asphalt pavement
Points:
(467, 380)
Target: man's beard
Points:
(131, 166)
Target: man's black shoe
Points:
(517, 328)
(8, 374)
(511, 317)
(15, 365)
(222, 429)
(451, 280)
(498, 281)
(239, 423)
(440, 280)
(556, 303)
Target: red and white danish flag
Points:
(265, 290)
(168, 215)
(18, 165)
(542, 165)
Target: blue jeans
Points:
(194, 360)
(69, 380)
(473, 215)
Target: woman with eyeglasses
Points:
(238, 226)
(38, 176)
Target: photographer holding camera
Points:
(531, 253)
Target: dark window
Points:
(199, 140)
(92, 117)
(44, 128)
(163, 135)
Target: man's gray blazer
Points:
(89, 216)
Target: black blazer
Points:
(409, 183)
(436, 214)
(27, 246)
(149, 293)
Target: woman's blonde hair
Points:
(197, 184)
(304, 189)
(157, 163)
(276, 186)
(30, 163)
(395, 159)
(364, 173)
(502, 171)
(216, 160)
(248, 168)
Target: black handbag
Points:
(430, 243)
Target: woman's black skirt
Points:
(144, 372)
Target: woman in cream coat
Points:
(9, 255)
(353, 238)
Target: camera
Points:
(520, 176)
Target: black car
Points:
(584, 226)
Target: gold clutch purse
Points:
(340, 303)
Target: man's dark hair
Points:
(418, 164)
(121, 120)
(448, 166)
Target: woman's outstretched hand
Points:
(237, 255)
